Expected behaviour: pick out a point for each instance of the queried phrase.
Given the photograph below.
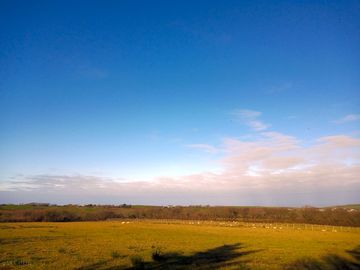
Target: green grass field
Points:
(156, 245)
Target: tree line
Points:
(55, 213)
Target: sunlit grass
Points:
(113, 243)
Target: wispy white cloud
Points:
(258, 125)
(272, 167)
(348, 118)
(205, 147)
(250, 118)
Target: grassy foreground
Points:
(154, 245)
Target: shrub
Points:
(20, 262)
(115, 254)
(157, 255)
(138, 262)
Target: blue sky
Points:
(134, 91)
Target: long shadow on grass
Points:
(100, 265)
(210, 259)
(329, 262)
